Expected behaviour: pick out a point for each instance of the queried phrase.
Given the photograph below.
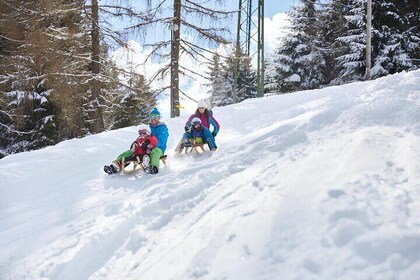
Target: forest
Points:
(59, 81)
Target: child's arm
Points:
(133, 147)
(140, 146)
(152, 143)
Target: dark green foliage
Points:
(327, 43)
(45, 77)
(221, 77)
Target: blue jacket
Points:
(161, 132)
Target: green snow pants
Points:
(124, 155)
(155, 155)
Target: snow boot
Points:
(108, 170)
(151, 169)
(113, 169)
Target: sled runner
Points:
(133, 166)
(190, 147)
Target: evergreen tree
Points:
(127, 95)
(136, 102)
(246, 82)
(352, 63)
(395, 41)
(298, 62)
(35, 46)
(47, 92)
(270, 85)
(246, 79)
(410, 39)
(396, 38)
(285, 67)
(332, 25)
(220, 86)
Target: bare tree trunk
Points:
(96, 86)
(175, 59)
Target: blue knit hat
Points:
(154, 114)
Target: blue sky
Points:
(272, 7)
(274, 21)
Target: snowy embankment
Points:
(322, 184)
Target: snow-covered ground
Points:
(322, 184)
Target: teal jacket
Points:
(161, 132)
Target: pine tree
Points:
(395, 41)
(220, 87)
(396, 37)
(332, 25)
(246, 79)
(245, 86)
(352, 63)
(47, 92)
(285, 69)
(410, 39)
(135, 103)
(298, 62)
(35, 46)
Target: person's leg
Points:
(154, 155)
(124, 156)
(183, 143)
(209, 139)
(198, 141)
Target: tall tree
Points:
(298, 61)
(246, 87)
(102, 36)
(36, 43)
(352, 63)
(396, 35)
(95, 67)
(332, 25)
(129, 101)
(220, 82)
(188, 38)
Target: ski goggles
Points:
(154, 117)
(143, 132)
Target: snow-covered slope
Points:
(322, 184)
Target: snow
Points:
(293, 78)
(321, 184)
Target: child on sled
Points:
(142, 146)
(197, 134)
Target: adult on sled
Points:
(160, 131)
(197, 134)
(142, 146)
(206, 117)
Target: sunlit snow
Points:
(321, 184)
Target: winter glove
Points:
(187, 128)
(133, 147)
(144, 146)
(214, 134)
